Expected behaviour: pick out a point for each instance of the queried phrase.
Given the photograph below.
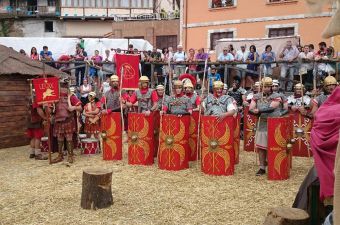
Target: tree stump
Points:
(287, 216)
(96, 190)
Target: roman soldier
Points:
(194, 98)
(298, 101)
(265, 104)
(65, 121)
(160, 94)
(92, 116)
(250, 94)
(35, 129)
(237, 92)
(219, 105)
(276, 89)
(146, 101)
(126, 96)
(111, 101)
(225, 89)
(329, 85)
(178, 103)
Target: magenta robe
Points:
(324, 140)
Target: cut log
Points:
(96, 190)
(287, 216)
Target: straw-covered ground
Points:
(33, 192)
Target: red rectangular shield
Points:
(140, 139)
(174, 147)
(130, 66)
(249, 126)
(112, 142)
(193, 136)
(217, 140)
(279, 158)
(46, 90)
(302, 127)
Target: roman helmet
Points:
(92, 94)
(143, 79)
(275, 83)
(188, 84)
(329, 80)
(267, 82)
(218, 84)
(298, 86)
(160, 87)
(178, 83)
(114, 78)
(257, 84)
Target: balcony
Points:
(30, 11)
(116, 14)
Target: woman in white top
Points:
(105, 86)
(85, 89)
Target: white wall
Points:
(36, 28)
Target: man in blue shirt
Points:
(45, 54)
(225, 56)
(213, 76)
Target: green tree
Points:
(4, 28)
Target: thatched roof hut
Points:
(15, 70)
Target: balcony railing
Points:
(30, 11)
(151, 16)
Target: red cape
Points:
(324, 140)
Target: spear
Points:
(120, 97)
(259, 118)
(161, 116)
(200, 108)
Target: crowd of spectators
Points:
(294, 60)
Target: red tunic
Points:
(92, 128)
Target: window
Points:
(48, 26)
(90, 3)
(66, 3)
(222, 3)
(124, 3)
(51, 3)
(217, 36)
(136, 3)
(99, 3)
(166, 41)
(113, 3)
(147, 3)
(281, 32)
(73, 3)
(78, 3)
(104, 3)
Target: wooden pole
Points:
(200, 110)
(258, 120)
(120, 98)
(170, 77)
(48, 124)
(161, 115)
(226, 75)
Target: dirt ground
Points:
(34, 192)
